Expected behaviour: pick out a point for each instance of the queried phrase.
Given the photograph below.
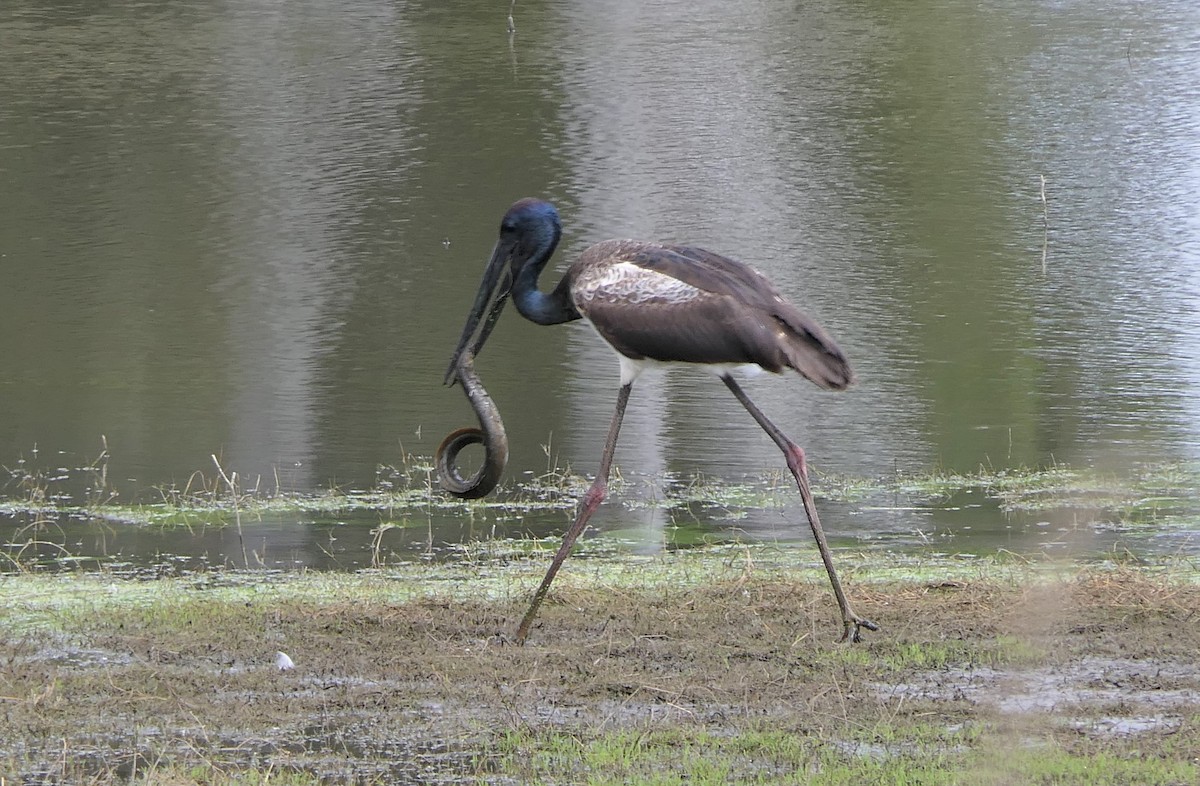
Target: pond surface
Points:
(252, 231)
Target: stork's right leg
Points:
(591, 500)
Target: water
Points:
(253, 230)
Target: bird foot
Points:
(517, 639)
(502, 639)
(854, 625)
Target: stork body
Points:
(659, 303)
(681, 304)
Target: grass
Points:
(708, 666)
(772, 757)
(1150, 493)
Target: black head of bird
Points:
(529, 233)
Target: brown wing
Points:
(721, 311)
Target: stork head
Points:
(529, 231)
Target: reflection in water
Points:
(304, 148)
(678, 142)
(250, 233)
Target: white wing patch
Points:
(625, 282)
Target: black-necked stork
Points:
(652, 303)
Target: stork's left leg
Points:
(591, 500)
(795, 461)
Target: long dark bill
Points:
(489, 302)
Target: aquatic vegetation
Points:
(1161, 488)
(404, 510)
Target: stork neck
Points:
(537, 306)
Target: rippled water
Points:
(253, 230)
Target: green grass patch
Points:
(920, 755)
(1001, 651)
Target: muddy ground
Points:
(181, 685)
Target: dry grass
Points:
(391, 686)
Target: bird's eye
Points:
(508, 226)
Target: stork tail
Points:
(813, 352)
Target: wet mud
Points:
(429, 689)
